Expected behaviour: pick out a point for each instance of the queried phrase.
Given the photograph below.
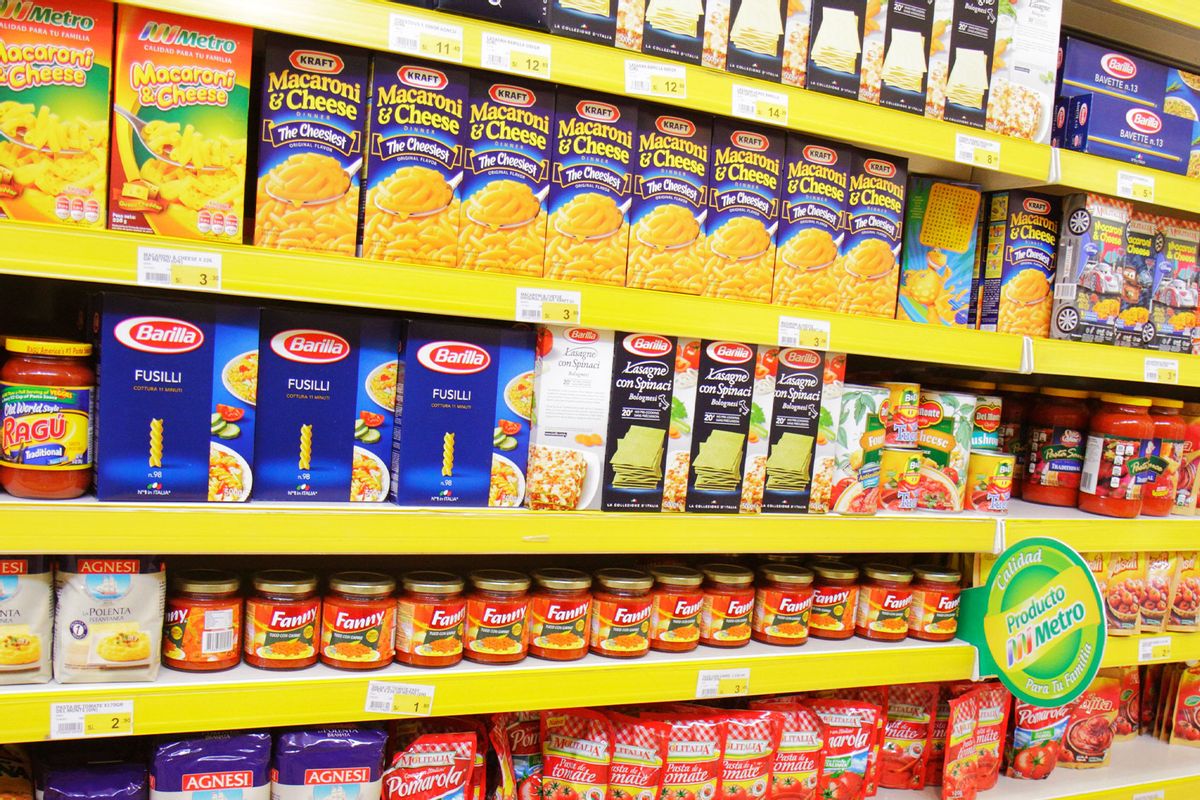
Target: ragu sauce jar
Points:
(558, 614)
(497, 617)
(283, 620)
(782, 604)
(358, 628)
(884, 600)
(675, 609)
(621, 613)
(430, 616)
(835, 600)
(728, 605)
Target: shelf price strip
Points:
(1135, 186)
(437, 40)
(1161, 370)
(403, 699)
(514, 55)
(801, 332)
(1157, 648)
(713, 683)
(651, 79)
(178, 269)
(760, 105)
(78, 720)
(548, 305)
(976, 151)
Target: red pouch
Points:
(1036, 739)
(576, 754)
(937, 739)
(517, 741)
(695, 749)
(1151, 680)
(433, 766)
(906, 735)
(962, 758)
(639, 757)
(1185, 729)
(402, 733)
(1089, 733)
(849, 738)
(1130, 712)
(798, 759)
(995, 704)
(751, 738)
(877, 696)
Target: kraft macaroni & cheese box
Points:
(870, 267)
(54, 106)
(835, 52)
(463, 436)
(1021, 100)
(1123, 131)
(168, 369)
(589, 20)
(502, 226)
(757, 38)
(1020, 257)
(414, 161)
(904, 68)
(591, 188)
(1176, 283)
(330, 381)
(1143, 250)
(181, 98)
(940, 237)
(1087, 284)
(310, 148)
(972, 48)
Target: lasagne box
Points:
(1022, 96)
(820, 500)
(904, 69)
(502, 224)
(591, 188)
(589, 20)
(54, 158)
(527, 13)
(870, 266)
(1183, 100)
(972, 43)
(310, 149)
(1143, 249)
(939, 58)
(873, 40)
(464, 415)
(330, 381)
(181, 98)
(631, 19)
(940, 238)
(675, 29)
(1126, 131)
(1020, 256)
(836, 47)
(1173, 297)
(757, 38)
(796, 29)
(1087, 67)
(572, 384)
(745, 177)
(1087, 287)
(165, 367)
(414, 161)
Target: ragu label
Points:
(621, 626)
(278, 632)
(905, 751)
(783, 613)
(577, 753)
(358, 633)
(558, 625)
(497, 627)
(833, 608)
(751, 738)
(675, 618)
(430, 629)
(884, 611)
(849, 736)
(433, 766)
(639, 757)
(158, 335)
(726, 617)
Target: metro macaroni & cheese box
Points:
(181, 99)
(54, 107)
(310, 148)
(1020, 256)
(870, 267)
(1087, 286)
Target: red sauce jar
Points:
(675, 609)
(430, 616)
(358, 628)
(1018, 403)
(1116, 462)
(884, 601)
(203, 623)
(835, 600)
(283, 618)
(47, 455)
(558, 614)
(935, 595)
(782, 604)
(1054, 454)
(1189, 470)
(621, 614)
(1170, 433)
(497, 617)
(728, 605)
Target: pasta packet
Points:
(199, 767)
(434, 766)
(962, 756)
(577, 746)
(1036, 739)
(1089, 732)
(695, 752)
(1185, 728)
(995, 705)
(1126, 588)
(907, 734)
(26, 619)
(1184, 615)
(16, 773)
(936, 760)
(639, 757)
(345, 760)
(850, 735)
(1125, 727)
(751, 739)
(112, 781)
(800, 755)
(516, 739)
(1158, 597)
(402, 733)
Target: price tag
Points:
(179, 269)
(1154, 648)
(77, 720)
(1161, 370)
(403, 699)
(1135, 186)
(651, 79)
(762, 105)
(713, 683)
(800, 332)
(438, 40)
(978, 151)
(1157, 794)
(515, 55)
(548, 305)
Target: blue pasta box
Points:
(467, 402)
(164, 369)
(1125, 131)
(940, 236)
(1183, 100)
(329, 380)
(1085, 67)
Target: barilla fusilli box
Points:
(1020, 255)
(414, 161)
(1173, 298)
(181, 99)
(339, 762)
(745, 177)
(1087, 286)
(167, 368)
(669, 191)
(502, 223)
(310, 147)
(1143, 249)
(870, 265)
(591, 188)
(54, 107)
(815, 204)
(233, 765)
(463, 435)
(330, 381)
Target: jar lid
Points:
(285, 581)
(367, 584)
(835, 570)
(888, 572)
(1075, 394)
(1166, 402)
(782, 558)
(48, 347)
(979, 386)
(499, 580)
(787, 573)
(928, 572)
(431, 582)
(728, 573)
(616, 578)
(558, 578)
(206, 581)
(1125, 400)
(677, 576)
(1016, 388)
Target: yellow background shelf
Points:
(1091, 173)
(1183, 12)
(1098, 361)
(1125, 651)
(1091, 533)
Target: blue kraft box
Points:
(1124, 131)
(1086, 67)
(330, 381)
(463, 418)
(177, 385)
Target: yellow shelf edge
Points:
(1092, 173)
(1090, 533)
(1057, 357)
(1123, 651)
(1181, 12)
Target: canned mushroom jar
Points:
(621, 613)
(203, 630)
(497, 617)
(835, 600)
(883, 603)
(429, 619)
(728, 605)
(782, 604)
(558, 614)
(358, 628)
(933, 616)
(675, 609)
(283, 618)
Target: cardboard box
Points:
(796, 31)
(1183, 100)
(1143, 246)
(527, 13)
(972, 49)
(1125, 131)
(757, 43)
(1020, 261)
(1021, 101)
(1086, 67)
(940, 237)
(682, 38)
(1087, 287)
(588, 20)
(835, 52)
(1173, 300)
(904, 71)
(874, 233)
(939, 58)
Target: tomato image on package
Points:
(181, 98)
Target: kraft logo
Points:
(675, 126)
(165, 335)
(1119, 66)
(600, 112)
(508, 95)
(454, 358)
(309, 346)
(342, 775)
(730, 352)
(1036, 205)
(422, 77)
(1143, 120)
(880, 169)
(748, 140)
(647, 344)
(243, 779)
(316, 61)
(820, 155)
(800, 359)
(582, 335)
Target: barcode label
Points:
(1090, 476)
(546, 305)
(217, 641)
(651, 79)
(401, 699)
(70, 729)
(440, 40)
(154, 278)
(761, 105)
(180, 269)
(1065, 291)
(515, 55)
(106, 718)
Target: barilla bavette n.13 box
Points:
(1124, 131)
(54, 105)
(1087, 286)
(181, 98)
(1021, 245)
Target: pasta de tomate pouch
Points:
(800, 754)
(995, 704)
(639, 757)
(751, 739)
(959, 775)
(694, 754)
(576, 754)
(906, 737)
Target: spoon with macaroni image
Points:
(185, 148)
(593, 211)
(415, 192)
(311, 179)
(505, 204)
(831, 243)
(742, 239)
(672, 226)
(43, 131)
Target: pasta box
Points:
(1020, 257)
(756, 38)
(796, 29)
(528, 13)
(1022, 94)
(939, 58)
(167, 367)
(905, 69)
(875, 28)
(589, 20)
(1087, 67)
(464, 415)
(835, 47)
(330, 380)
(1143, 250)
(940, 237)
(1125, 131)
(874, 231)
(1183, 100)
(675, 29)
(1173, 298)
(972, 48)
(1087, 288)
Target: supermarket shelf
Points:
(1091, 533)
(1098, 361)
(1090, 173)
(1181, 12)
(1127, 651)
(246, 697)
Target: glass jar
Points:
(203, 622)
(728, 605)
(1018, 403)
(497, 617)
(675, 609)
(935, 595)
(621, 617)
(1054, 454)
(358, 628)
(429, 619)
(835, 600)
(883, 603)
(558, 614)
(283, 617)
(1189, 467)
(1116, 457)
(782, 604)
(47, 452)
(1170, 433)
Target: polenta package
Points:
(109, 780)
(793, 421)
(1091, 247)
(54, 107)
(1135, 274)
(1176, 289)
(1020, 255)
(1184, 614)
(108, 623)
(203, 766)
(1125, 587)
(940, 229)
(310, 149)
(875, 225)
(26, 619)
(506, 176)
(591, 188)
(337, 761)
(756, 38)
(414, 161)
(1089, 733)
(181, 98)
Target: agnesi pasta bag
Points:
(26, 619)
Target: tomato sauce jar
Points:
(203, 623)
(621, 614)
(935, 595)
(1018, 404)
(47, 452)
(835, 600)
(884, 601)
(675, 609)
(558, 614)
(1170, 433)
(283, 617)
(358, 628)
(430, 614)
(728, 605)
(1056, 435)
(782, 604)
(497, 617)
(1116, 462)
(1189, 463)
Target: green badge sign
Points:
(1038, 622)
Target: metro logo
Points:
(747, 140)
(508, 95)
(1119, 66)
(207, 781)
(1036, 205)
(454, 358)
(316, 61)
(597, 111)
(730, 352)
(799, 359)
(582, 335)
(24, 11)
(820, 155)
(675, 126)
(422, 77)
(1143, 120)
(879, 168)
(309, 346)
(164, 335)
(647, 344)
(337, 775)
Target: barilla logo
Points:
(820, 155)
(21, 11)
(109, 566)
(930, 413)
(582, 335)
(1119, 66)
(800, 359)
(158, 335)
(14, 566)
(880, 169)
(600, 112)
(316, 61)
(454, 358)
(730, 352)
(422, 77)
(1143, 120)
(310, 346)
(748, 140)
(675, 126)
(178, 36)
(1036, 205)
(647, 344)
(337, 775)
(508, 95)
(207, 781)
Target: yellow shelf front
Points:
(1077, 359)
(1182, 12)
(1091, 533)
(1149, 648)
(1090, 173)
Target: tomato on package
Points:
(403, 733)
(695, 748)
(1090, 729)
(433, 766)
(849, 737)
(516, 739)
(878, 697)
(959, 774)
(1130, 712)
(576, 754)
(798, 759)
(995, 704)
(639, 757)
(1036, 739)
(906, 735)
(751, 738)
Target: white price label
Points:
(549, 305)
(1135, 186)
(761, 105)
(801, 332)
(179, 269)
(713, 683)
(978, 151)
(1161, 370)
(651, 79)
(78, 720)
(1154, 648)
(442, 41)
(1156, 794)
(515, 55)
(404, 699)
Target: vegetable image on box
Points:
(156, 442)
(305, 461)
